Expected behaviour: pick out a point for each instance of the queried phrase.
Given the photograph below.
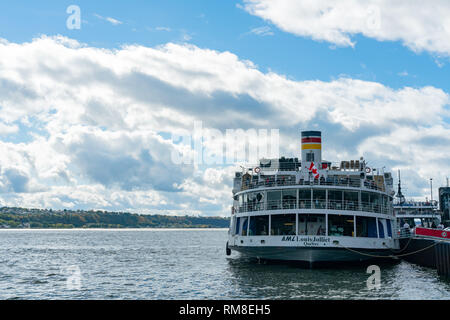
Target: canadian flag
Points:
(313, 169)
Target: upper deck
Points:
(416, 209)
(285, 178)
(416, 205)
(312, 183)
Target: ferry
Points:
(415, 213)
(312, 210)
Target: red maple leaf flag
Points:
(313, 169)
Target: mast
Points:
(400, 196)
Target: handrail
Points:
(404, 233)
(413, 204)
(315, 204)
(341, 182)
(416, 213)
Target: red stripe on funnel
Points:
(306, 140)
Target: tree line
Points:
(43, 218)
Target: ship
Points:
(419, 233)
(415, 213)
(312, 210)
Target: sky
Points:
(89, 111)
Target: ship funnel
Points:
(312, 148)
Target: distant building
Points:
(444, 203)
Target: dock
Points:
(442, 252)
(427, 247)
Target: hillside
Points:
(47, 218)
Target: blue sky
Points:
(381, 92)
(226, 26)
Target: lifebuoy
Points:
(257, 169)
(367, 170)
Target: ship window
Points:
(380, 229)
(259, 226)
(310, 157)
(385, 204)
(366, 227)
(417, 222)
(244, 222)
(340, 225)
(237, 225)
(311, 224)
(283, 224)
(289, 199)
(335, 199)
(389, 228)
(232, 226)
(251, 201)
(350, 200)
(259, 201)
(304, 196)
(375, 202)
(319, 199)
(365, 205)
(273, 200)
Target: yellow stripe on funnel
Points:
(311, 146)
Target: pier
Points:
(442, 253)
(427, 247)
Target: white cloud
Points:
(109, 19)
(419, 25)
(7, 129)
(163, 29)
(421, 152)
(98, 123)
(262, 31)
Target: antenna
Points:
(431, 187)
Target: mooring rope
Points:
(393, 256)
(404, 248)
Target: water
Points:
(180, 264)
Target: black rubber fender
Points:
(228, 250)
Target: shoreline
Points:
(106, 229)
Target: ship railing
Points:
(416, 213)
(341, 182)
(405, 233)
(408, 204)
(315, 204)
(281, 204)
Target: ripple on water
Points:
(181, 264)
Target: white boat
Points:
(312, 210)
(415, 213)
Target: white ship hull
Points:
(313, 255)
(313, 210)
(314, 249)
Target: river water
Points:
(181, 264)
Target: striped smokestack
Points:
(311, 148)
